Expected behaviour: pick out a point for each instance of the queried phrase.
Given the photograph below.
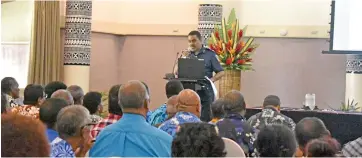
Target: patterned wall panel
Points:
(77, 46)
(354, 64)
(210, 15)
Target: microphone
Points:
(172, 75)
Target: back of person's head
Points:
(197, 140)
(189, 101)
(276, 140)
(10, 86)
(77, 93)
(217, 108)
(92, 101)
(51, 87)
(113, 104)
(322, 147)
(173, 87)
(146, 86)
(34, 94)
(71, 121)
(271, 100)
(49, 110)
(133, 96)
(234, 102)
(4, 103)
(63, 94)
(310, 128)
(23, 137)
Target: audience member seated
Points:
(4, 104)
(322, 147)
(132, 136)
(114, 112)
(276, 140)
(34, 96)
(188, 107)
(23, 137)
(10, 87)
(217, 109)
(171, 108)
(63, 94)
(307, 129)
(48, 113)
(353, 148)
(234, 125)
(198, 140)
(93, 102)
(270, 115)
(51, 87)
(159, 115)
(74, 138)
(77, 94)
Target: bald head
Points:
(189, 101)
(133, 95)
(63, 94)
(171, 106)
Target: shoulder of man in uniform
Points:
(208, 49)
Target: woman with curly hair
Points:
(23, 137)
(198, 140)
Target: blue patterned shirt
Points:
(158, 116)
(235, 127)
(60, 148)
(170, 126)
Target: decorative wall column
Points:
(210, 15)
(77, 46)
(354, 78)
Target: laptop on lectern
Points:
(191, 68)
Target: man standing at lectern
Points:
(196, 49)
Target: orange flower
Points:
(230, 33)
(241, 61)
(217, 35)
(240, 34)
(229, 61)
(250, 49)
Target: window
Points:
(14, 60)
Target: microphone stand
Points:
(172, 75)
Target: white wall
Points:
(16, 20)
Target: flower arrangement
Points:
(233, 52)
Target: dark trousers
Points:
(207, 97)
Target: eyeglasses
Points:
(45, 95)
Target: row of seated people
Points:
(61, 129)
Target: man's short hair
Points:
(91, 101)
(272, 100)
(51, 87)
(7, 84)
(71, 119)
(32, 93)
(310, 128)
(49, 110)
(234, 102)
(173, 87)
(132, 95)
(77, 93)
(146, 86)
(217, 108)
(113, 104)
(195, 33)
(276, 140)
(198, 140)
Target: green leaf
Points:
(232, 17)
